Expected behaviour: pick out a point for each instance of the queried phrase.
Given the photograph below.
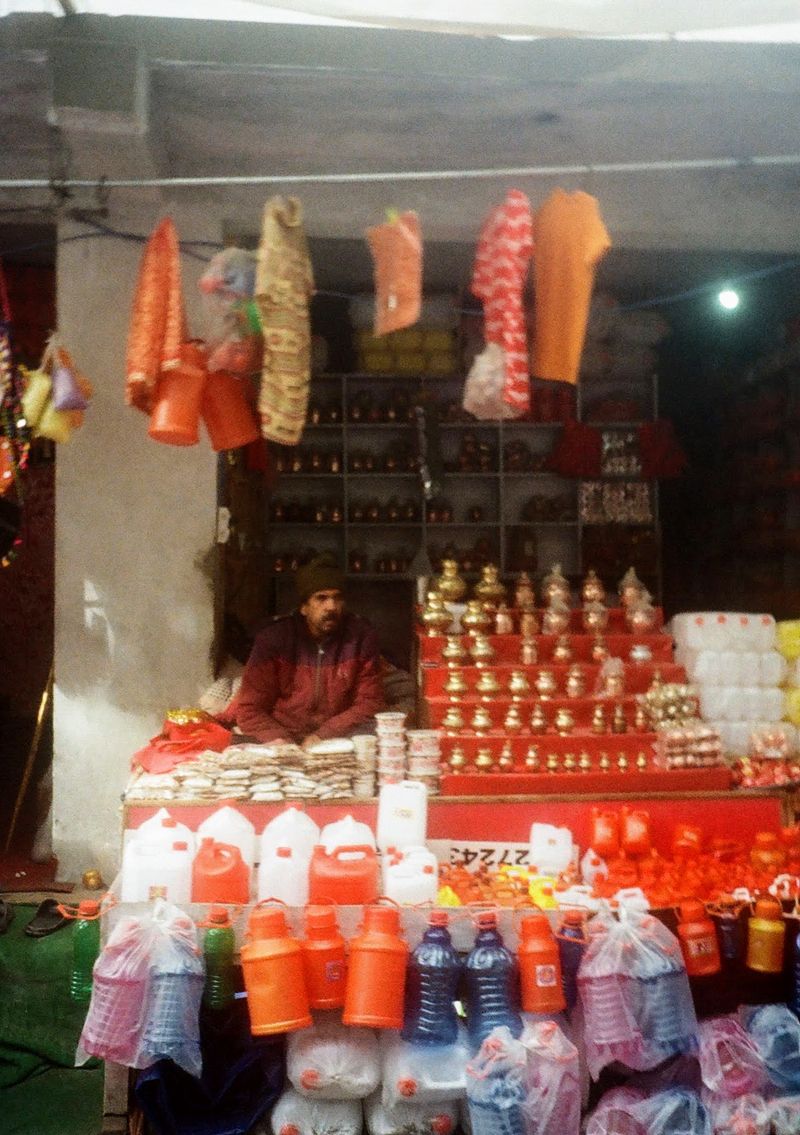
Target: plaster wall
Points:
(134, 536)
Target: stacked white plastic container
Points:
(730, 657)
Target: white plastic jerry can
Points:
(402, 815)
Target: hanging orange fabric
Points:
(396, 248)
(157, 326)
(570, 239)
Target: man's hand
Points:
(310, 741)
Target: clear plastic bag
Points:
(410, 1118)
(743, 1115)
(775, 1031)
(729, 1061)
(332, 1061)
(232, 329)
(483, 389)
(635, 994)
(784, 1114)
(177, 979)
(115, 1022)
(294, 1114)
(676, 1111)
(618, 1110)
(496, 1087)
(424, 1074)
(553, 1102)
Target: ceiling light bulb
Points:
(728, 298)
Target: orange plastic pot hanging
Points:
(176, 414)
(227, 414)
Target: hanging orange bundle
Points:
(396, 248)
(157, 327)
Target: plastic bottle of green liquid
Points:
(85, 949)
(219, 948)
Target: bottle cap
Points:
(267, 922)
(486, 920)
(768, 908)
(535, 926)
(438, 918)
(573, 918)
(180, 845)
(283, 852)
(383, 919)
(320, 919)
(169, 822)
(218, 916)
(88, 908)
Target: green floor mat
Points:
(40, 1090)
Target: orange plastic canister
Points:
(604, 833)
(376, 973)
(634, 832)
(272, 968)
(219, 874)
(347, 875)
(324, 959)
(766, 933)
(539, 966)
(698, 938)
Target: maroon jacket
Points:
(294, 684)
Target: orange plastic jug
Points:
(376, 973)
(766, 933)
(604, 833)
(226, 412)
(323, 959)
(687, 841)
(347, 876)
(634, 832)
(272, 967)
(219, 874)
(698, 938)
(539, 966)
(766, 853)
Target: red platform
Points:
(507, 647)
(631, 782)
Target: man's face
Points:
(323, 612)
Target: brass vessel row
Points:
(481, 720)
(545, 685)
(485, 760)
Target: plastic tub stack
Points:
(732, 660)
(391, 734)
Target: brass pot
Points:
(564, 721)
(528, 654)
(614, 685)
(449, 584)
(505, 762)
(598, 719)
(489, 589)
(524, 595)
(529, 623)
(538, 722)
(595, 617)
(555, 586)
(454, 652)
(503, 620)
(435, 617)
(562, 651)
(556, 618)
(546, 684)
(452, 720)
(576, 682)
(487, 685)
(512, 722)
(641, 618)
(457, 759)
(481, 720)
(631, 588)
(532, 762)
(518, 685)
(592, 590)
(474, 619)
(481, 650)
(600, 650)
(456, 685)
(484, 760)
(619, 722)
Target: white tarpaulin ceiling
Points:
(774, 21)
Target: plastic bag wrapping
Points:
(422, 1073)
(635, 994)
(496, 1085)
(743, 1115)
(730, 1064)
(177, 979)
(617, 1111)
(116, 1018)
(775, 1031)
(332, 1061)
(724, 630)
(674, 1111)
(294, 1114)
(410, 1118)
(733, 667)
(483, 389)
(784, 1113)
(231, 324)
(553, 1102)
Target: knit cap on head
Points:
(320, 574)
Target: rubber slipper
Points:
(6, 915)
(47, 920)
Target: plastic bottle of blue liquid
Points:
(492, 983)
(432, 978)
(571, 938)
(793, 929)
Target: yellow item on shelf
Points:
(788, 635)
(38, 388)
(377, 362)
(441, 362)
(447, 897)
(366, 341)
(54, 424)
(792, 704)
(542, 891)
(408, 340)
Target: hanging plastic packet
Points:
(115, 1022)
(496, 1088)
(553, 1103)
(730, 1064)
(775, 1031)
(232, 324)
(423, 1073)
(333, 1061)
(177, 981)
(294, 1114)
(409, 1118)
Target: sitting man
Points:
(316, 673)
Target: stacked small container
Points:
(390, 729)
(424, 757)
(365, 746)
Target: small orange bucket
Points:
(226, 412)
(376, 973)
(272, 967)
(176, 412)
